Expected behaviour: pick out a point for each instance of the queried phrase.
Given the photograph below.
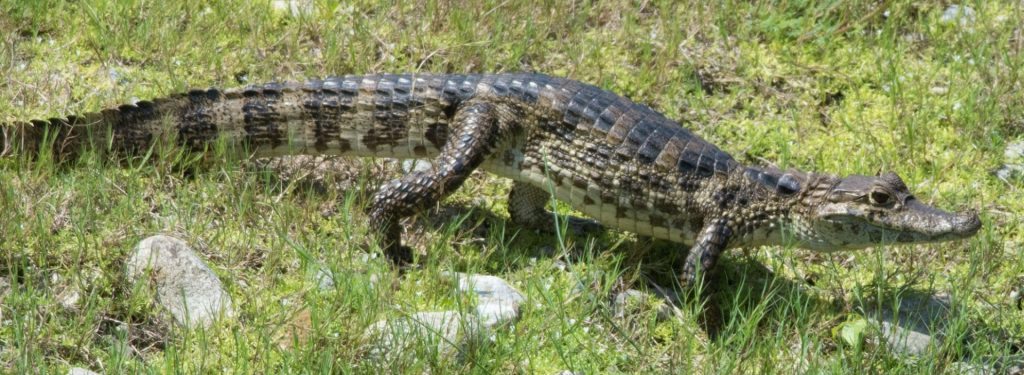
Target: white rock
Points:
(69, 299)
(490, 288)
(446, 329)
(626, 301)
(492, 314)
(80, 371)
(1013, 167)
(185, 285)
(498, 302)
(966, 368)
(325, 279)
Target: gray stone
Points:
(1010, 172)
(69, 298)
(960, 14)
(627, 302)
(1016, 369)
(497, 302)
(447, 329)
(324, 279)
(916, 325)
(497, 313)
(966, 368)
(1013, 159)
(185, 286)
(80, 371)
(1014, 152)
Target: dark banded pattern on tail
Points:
(129, 127)
(383, 115)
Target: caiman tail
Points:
(386, 115)
(126, 128)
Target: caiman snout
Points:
(966, 224)
(938, 225)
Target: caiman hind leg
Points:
(474, 133)
(710, 244)
(526, 208)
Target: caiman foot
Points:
(710, 244)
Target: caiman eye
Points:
(879, 198)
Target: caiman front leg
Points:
(474, 133)
(710, 243)
(526, 208)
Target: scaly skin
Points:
(619, 162)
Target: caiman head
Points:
(857, 211)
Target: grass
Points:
(838, 87)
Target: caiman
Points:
(619, 162)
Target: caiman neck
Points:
(776, 201)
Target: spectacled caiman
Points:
(619, 162)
